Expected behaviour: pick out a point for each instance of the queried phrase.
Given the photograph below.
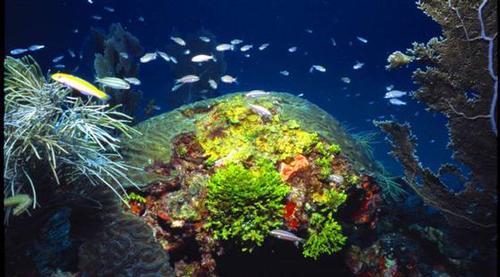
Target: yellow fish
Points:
(79, 84)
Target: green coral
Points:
(136, 197)
(353, 179)
(325, 166)
(325, 234)
(245, 204)
(234, 133)
(327, 153)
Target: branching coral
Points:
(470, 32)
(471, 207)
(111, 62)
(48, 132)
(245, 205)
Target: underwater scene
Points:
(250, 138)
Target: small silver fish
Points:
(319, 68)
(228, 79)
(57, 59)
(284, 73)
(236, 41)
(396, 102)
(164, 56)
(202, 58)
(132, 80)
(389, 87)
(363, 40)
(140, 18)
(148, 57)
(247, 55)
(346, 80)
(212, 84)
(335, 178)
(173, 59)
(394, 94)
(18, 51)
(256, 93)
(124, 55)
(285, 235)
(224, 47)
(263, 46)
(204, 39)
(177, 86)
(36, 47)
(246, 47)
(178, 40)
(334, 43)
(358, 65)
(263, 112)
(97, 17)
(113, 82)
(292, 49)
(186, 52)
(109, 9)
(188, 79)
(309, 31)
(300, 95)
(71, 53)
(59, 66)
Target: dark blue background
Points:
(388, 25)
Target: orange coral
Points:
(299, 164)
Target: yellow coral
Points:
(232, 132)
(398, 59)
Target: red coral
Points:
(367, 213)
(299, 164)
(289, 215)
(164, 216)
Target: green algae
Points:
(245, 204)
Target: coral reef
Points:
(220, 177)
(119, 244)
(472, 207)
(109, 61)
(464, 90)
(52, 138)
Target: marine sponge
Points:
(245, 204)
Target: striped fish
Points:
(285, 235)
(113, 82)
(79, 84)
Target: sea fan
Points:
(47, 130)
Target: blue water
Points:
(387, 25)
